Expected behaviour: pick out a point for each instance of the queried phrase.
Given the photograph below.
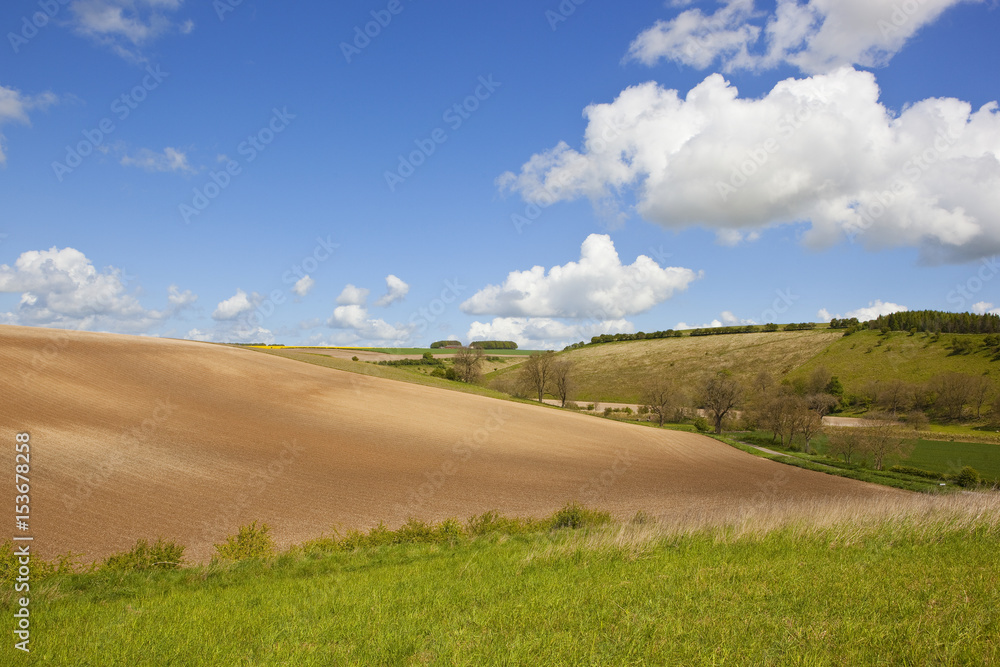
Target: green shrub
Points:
(968, 478)
(573, 515)
(252, 541)
(146, 556)
(40, 568)
(702, 424)
(916, 472)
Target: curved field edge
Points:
(903, 582)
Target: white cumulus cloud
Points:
(984, 308)
(815, 36)
(873, 310)
(236, 305)
(363, 327)
(303, 285)
(353, 296)
(544, 333)
(822, 150)
(396, 290)
(62, 288)
(725, 319)
(598, 287)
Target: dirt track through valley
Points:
(141, 437)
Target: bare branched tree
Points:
(536, 372)
(883, 438)
(660, 396)
(721, 394)
(562, 380)
(468, 364)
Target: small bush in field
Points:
(252, 541)
(968, 477)
(573, 515)
(146, 556)
(702, 424)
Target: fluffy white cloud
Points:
(725, 319)
(236, 305)
(599, 286)
(396, 290)
(62, 288)
(355, 318)
(543, 333)
(170, 159)
(303, 285)
(696, 39)
(353, 296)
(14, 108)
(985, 307)
(233, 332)
(125, 25)
(873, 310)
(821, 149)
(814, 36)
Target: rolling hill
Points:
(140, 437)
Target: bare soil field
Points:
(141, 437)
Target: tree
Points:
(721, 394)
(818, 380)
(810, 423)
(468, 363)
(883, 438)
(536, 372)
(822, 404)
(894, 396)
(954, 391)
(562, 380)
(845, 441)
(981, 387)
(660, 396)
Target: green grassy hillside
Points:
(908, 590)
(868, 355)
(615, 372)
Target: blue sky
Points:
(543, 172)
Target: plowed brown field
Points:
(138, 437)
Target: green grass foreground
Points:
(910, 584)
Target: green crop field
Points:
(951, 457)
(885, 591)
